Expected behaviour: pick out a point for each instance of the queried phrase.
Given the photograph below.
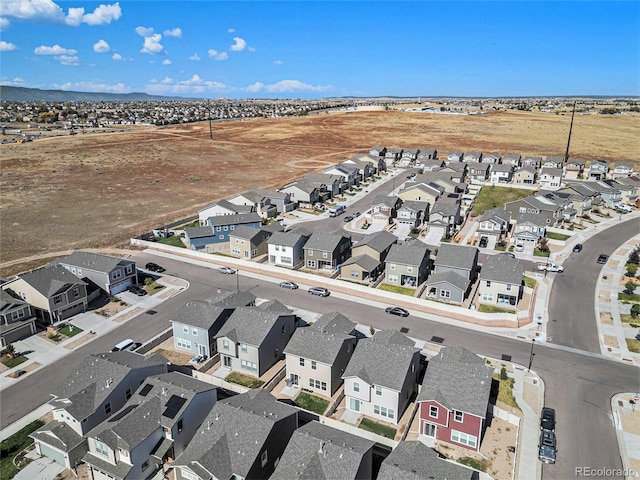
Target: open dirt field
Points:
(98, 190)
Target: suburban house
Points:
(392, 155)
(552, 211)
(217, 238)
(367, 257)
(266, 203)
(249, 242)
(514, 159)
(414, 460)
(598, 169)
(304, 193)
(532, 162)
(378, 163)
(453, 157)
(553, 161)
(113, 275)
(491, 158)
(550, 178)
(196, 325)
(574, 169)
(154, 427)
(455, 171)
(412, 213)
(317, 355)
(494, 221)
(525, 176)
(326, 250)
(252, 339)
(221, 207)
(331, 184)
(407, 265)
(243, 436)
(478, 171)
(382, 376)
(427, 154)
(366, 168)
(384, 208)
(91, 394)
(432, 164)
(473, 157)
(421, 192)
(529, 228)
(500, 281)
(53, 291)
(629, 188)
(349, 173)
(609, 194)
(16, 319)
(454, 398)
(286, 248)
(378, 151)
(622, 169)
(454, 271)
(410, 154)
(501, 172)
(319, 452)
(445, 214)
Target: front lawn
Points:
(69, 330)
(491, 197)
(395, 289)
(629, 297)
(539, 253)
(244, 380)
(556, 236)
(505, 391)
(12, 362)
(13, 445)
(312, 403)
(633, 345)
(529, 282)
(150, 284)
(174, 241)
(484, 308)
(375, 427)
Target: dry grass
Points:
(606, 318)
(611, 341)
(98, 190)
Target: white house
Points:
(286, 248)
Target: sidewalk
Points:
(625, 408)
(528, 387)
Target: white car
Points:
(623, 208)
(519, 247)
(550, 267)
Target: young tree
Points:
(630, 286)
(635, 310)
(632, 269)
(634, 256)
(543, 244)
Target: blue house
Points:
(214, 236)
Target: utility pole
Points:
(566, 153)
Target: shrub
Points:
(632, 269)
(148, 281)
(114, 299)
(635, 310)
(630, 286)
(503, 373)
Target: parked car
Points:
(348, 218)
(154, 267)
(577, 248)
(547, 448)
(548, 419)
(519, 247)
(227, 270)
(17, 373)
(356, 215)
(550, 267)
(621, 207)
(320, 291)
(289, 285)
(135, 289)
(508, 254)
(484, 241)
(602, 258)
(401, 312)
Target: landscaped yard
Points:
(375, 427)
(491, 197)
(539, 253)
(529, 282)
(13, 445)
(394, 289)
(633, 345)
(312, 403)
(12, 362)
(556, 236)
(244, 380)
(629, 297)
(505, 392)
(70, 330)
(484, 308)
(174, 241)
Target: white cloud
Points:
(47, 11)
(175, 32)
(217, 55)
(94, 87)
(116, 56)
(103, 14)
(166, 61)
(152, 44)
(231, 30)
(195, 84)
(144, 31)
(6, 46)
(4, 24)
(167, 80)
(68, 59)
(15, 81)
(240, 45)
(55, 50)
(278, 62)
(194, 57)
(101, 46)
(287, 86)
(74, 17)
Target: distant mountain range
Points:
(20, 94)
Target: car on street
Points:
(547, 448)
(136, 290)
(577, 248)
(154, 267)
(484, 241)
(320, 291)
(548, 419)
(621, 207)
(550, 267)
(348, 218)
(401, 312)
(356, 215)
(227, 270)
(602, 258)
(289, 285)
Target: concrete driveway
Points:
(41, 468)
(434, 235)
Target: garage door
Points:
(120, 287)
(17, 334)
(55, 455)
(71, 311)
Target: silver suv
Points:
(320, 291)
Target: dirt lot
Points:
(98, 190)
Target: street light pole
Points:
(237, 280)
(533, 342)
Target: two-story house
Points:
(455, 156)
(350, 174)
(407, 265)
(154, 427)
(305, 194)
(317, 355)
(378, 151)
(261, 202)
(53, 291)
(366, 168)
(501, 173)
(384, 208)
(392, 155)
(598, 169)
(319, 452)
(552, 211)
(382, 375)
(525, 176)
(221, 207)
(286, 249)
(431, 164)
(500, 281)
(532, 162)
(553, 161)
(454, 398)
(253, 339)
(367, 257)
(249, 242)
(479, 171)
(16, 319)
(326, 250)
(426, 154)
(445, 215)
(331, 184)
(88, 396)
(113, 275)
(491, 158)
(214, 236)
(473, 157)
(421, 192)
(243, 436)
(412, 213)
(196, 325)
(550, 178)
(574, 169)
(494, 221)
(514, 159)
(622, 169)
(454, 271)
(529, 228)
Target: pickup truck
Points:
(550, 267)
(337, 210)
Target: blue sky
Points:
(286, 49)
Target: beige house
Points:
(525, 176)
(500, 281)
(420, 192)
(248, 242)
(367, 257)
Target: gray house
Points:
(304, 193)
(367, 257)
(512, 158)
(445, 214)
(113, 275)
(243, 436)
(196, 325)
(427, 154)
(553, 161)
(479, 171)
(494, 222)
(455, 269)
(500, 281)
(532, 162)
(16, 319)
(326, 250)
(407, 265)
(320, 452)
(412, 213)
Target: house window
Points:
(127, 393)
(57, 299)
(248, 366)
(183, 344)
(458, 415)
(378, 390)
(180, 425)
(79, 272)
(275, 352)
(101, 449)
(286, 260)
(225, 344)
(254, 252)
(302, 362)
(311, 263)
(243, 347)
(409, 269)
(277, 248)
(325, 255)
(433, 411)
(107, 408)
(488, 283)
(185, 329)
(487, 297)
(194, 332)
(311, 253)
(464, 438)
(129, 269)
(76, 292)
(314, 365)
(225, 228)
(356, 387)
(383, 411)
(317, 384)
(355, 274)
(508, 287)
(117, 274)
(235, 250)
(445, 293)
(392, 279)
(18, 314)
(73, 270)
(284, 329)
(392, 266)
(220, 237)
(263, 458)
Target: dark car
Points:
(509, 254)
(602, 259)
(484, 241)
(135, 289)
(154, 267)
(348, 218)
(320, 291)
(289, 285)
(401, 312)
(547, 448)
(548, 419)
(357, 214)
(577, 248)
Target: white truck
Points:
(337, 210)
(550, 267)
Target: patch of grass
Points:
(375, 427)
(414, 235)
(192, 224)
(500, 248)
(481, 465)
(629, 297)
(445, 240)
(13, 362)
(505, 391)
(395, 289)
(174, 241)
(484, 308)
(70, 330)
(538, 253)
(556, 236)
(633, 345)
(530, 282)
(312, 403)
(244, 380)
(491, 197)
(13, 445)
(626, 318)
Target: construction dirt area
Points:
(98, 190)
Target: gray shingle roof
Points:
(311, 343)
(415, 461)
(51, 279)
(325, 241)
(459, 380)
(319, 452)
(386, 200)
(384, 359)
(8, 302)
(229, 206)
(453, 278)
(275, 306)
(409, 253)
(511, 156)
(445, 207)
(287, 239)
(249, 325)
(503, 269)
(501, 167)
(534, 218)
(456, 256)
(556, 172)
(249, 233)
(234, 299)
(414, 205)
(364, 261)
(378, 241)
(201, 314)
(94, 261)
(236, 219)
(334, 322)
(501, 213)
(198, 232)
(58, 435)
